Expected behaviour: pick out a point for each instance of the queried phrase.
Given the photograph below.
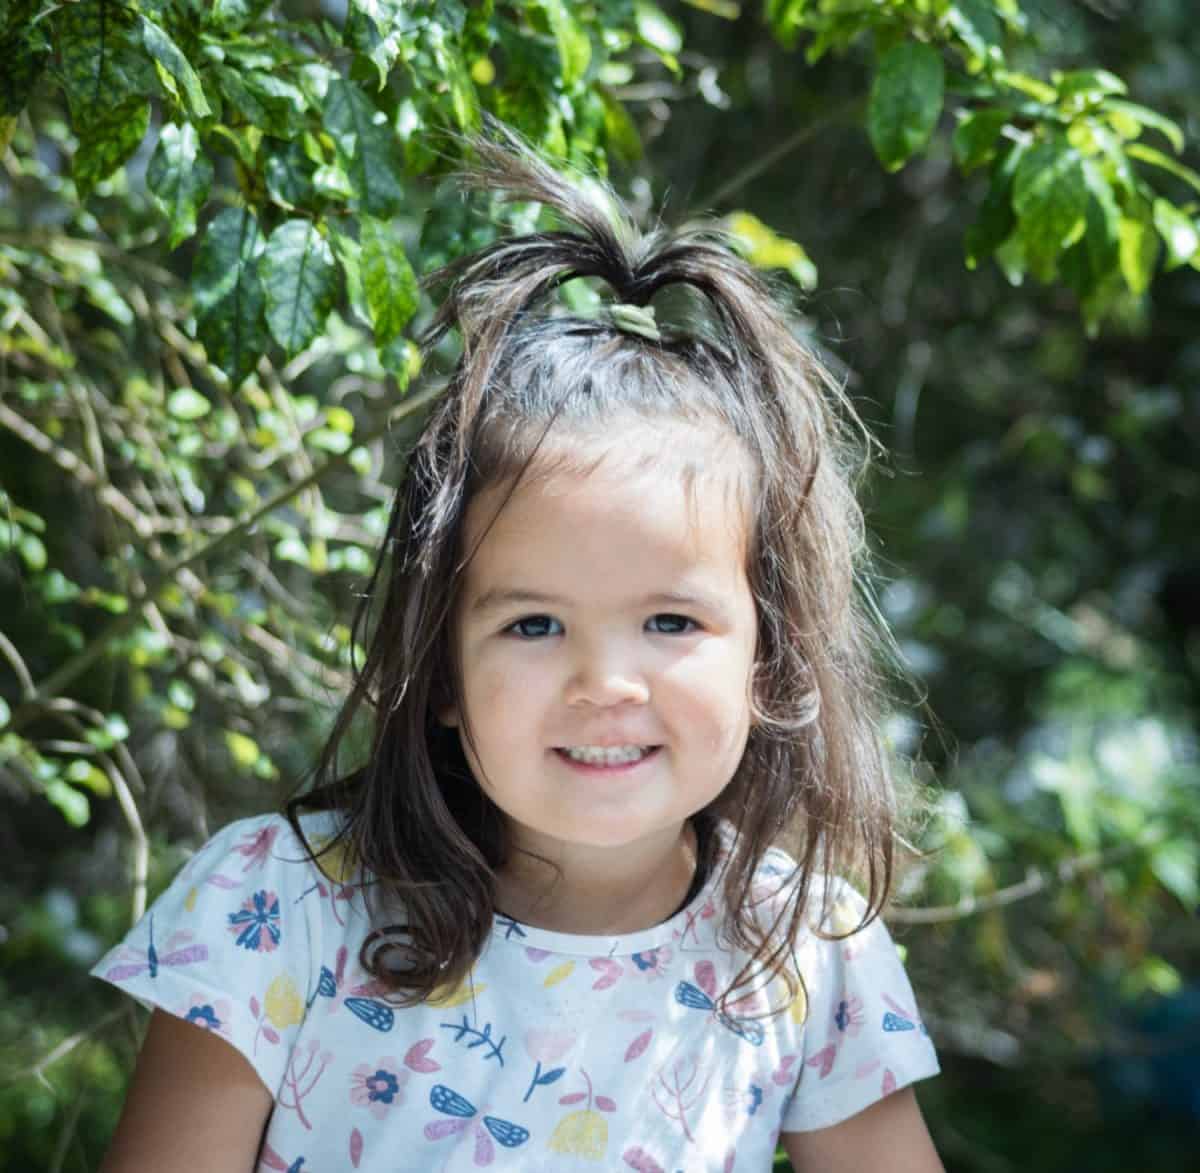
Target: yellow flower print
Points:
(335, 858)
(581, 1134)
(284, 1006)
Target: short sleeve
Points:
(228, 946)
(863, 1036)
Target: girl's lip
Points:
(600, 768)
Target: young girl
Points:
(617, 662)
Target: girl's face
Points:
(608, 609)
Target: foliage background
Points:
(211, 223)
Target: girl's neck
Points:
(600, 891)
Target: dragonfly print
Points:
(178, 952)
(462, 1116)
(703, 996)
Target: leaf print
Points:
(536, 954)
(706, 978)
(484, 1153)
(798, 1010)
(641, 1161)
(219, 881)
(610, 971)
(415, 1057)
(445, 999)
(558, 974)
(573, 1098)
(638, 1046)
(439, 1129)
(356, 1147)
(782, 1075)
(189, 901)
(889, 1082)
(605, 1104)
(824, 1059)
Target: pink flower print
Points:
(848, 1016)
(256, 846)
(378, 1086)
(256, 923)
(653, 963)
(209, 1014)
(547, 1047)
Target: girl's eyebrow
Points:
(498, 597)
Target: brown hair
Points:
(812, 777)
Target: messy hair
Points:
(813, 776)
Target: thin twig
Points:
(765, 162)
(28, 688)
(37, 1071)
(98, 647)
(1036, 880)
(108, 494)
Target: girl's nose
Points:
(600, 680)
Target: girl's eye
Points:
(533, 626)
(675, 624)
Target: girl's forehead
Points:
(683, 491)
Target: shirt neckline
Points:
(507, 932)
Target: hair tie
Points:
(631, 319)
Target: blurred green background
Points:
(185, 523)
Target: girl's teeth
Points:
(619, 755)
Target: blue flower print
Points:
(204, 1016)
(256, 923)
(208, 1013)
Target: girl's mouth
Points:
(617, 760)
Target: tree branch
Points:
(1036, 880)
(75, 667)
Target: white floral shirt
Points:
(560, 1052)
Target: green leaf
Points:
(229, 295)
(1128, 119)
(1176, 866)
(366, 148)
(244, 750)
(288, 175)
(1050, 199)
(656, 29)
(1093, 262)
(764, 248)
(1158, 159)
(33, 551)
(976, 136)
(906, 101)
(179, 177)
(574, 47)
(104, 61)
(1139, 248)
(24, 54)
(182, 77)
(996, 218)
(106, 141)
(978, 28)
(186, 403)
(1081, 88)
(300, 282)
(71, 804)
(1179, 233)
(388, 281)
